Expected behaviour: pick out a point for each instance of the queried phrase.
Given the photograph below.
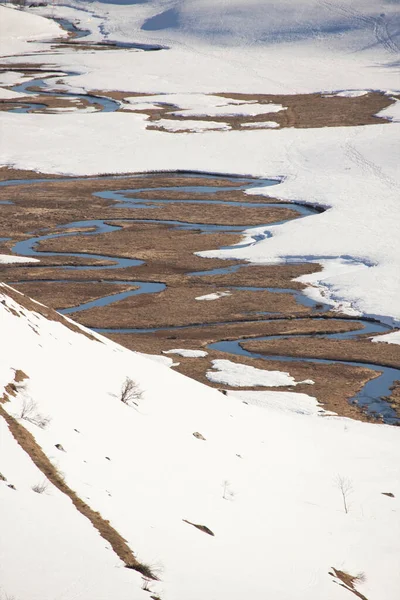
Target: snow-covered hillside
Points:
(265, 480)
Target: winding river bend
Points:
(371, 396)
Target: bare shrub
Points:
(40, 488)
(360, 578)
(228, 493)
(29, 412)
(4, 596)
(345, 486)
(146, 584)
(131, 392)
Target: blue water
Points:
(107, 104)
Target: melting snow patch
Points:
(214, 296)
(348, 94)
(187, 353)
(294, 402)
(261, 125)
(389, 338)
(238, 375)
(194, 126)
(5, 259)
(392, 112)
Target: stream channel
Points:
(371, 397)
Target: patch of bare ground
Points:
(349, 582)
(394, 398)
(119, 545)
(300, 111)
(9, 173)
(202, 528)
(46, 312)
(362, 350)
(61, 294)
(11, 389)
(177, 305)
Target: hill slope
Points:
(264, 480)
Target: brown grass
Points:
(11, 389)
(349, 581)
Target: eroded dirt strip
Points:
(28, 443)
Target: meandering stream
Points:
(372, 394)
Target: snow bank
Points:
(20, 27)
(238, 375)
(389, 338)
(213, 296)
(187, 353)
(8, 259)
(187, 125)
(391, 112)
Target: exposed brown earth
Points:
(359, 351)
(177, 305)
(169, 254)
(68, 294)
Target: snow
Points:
(239, 375)
(191, 105)
(261, 125)
(62, 552)
(20, 28)
(8, 259)
(349, 93)
(275, 457)
(187, 353)
(284, 402)
(282, 527)
(389, 338)
(213, 296)
(12, 78)
(391, 112)
(8, 94)
(187, 125)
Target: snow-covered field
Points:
(354, 170)
(288, 490)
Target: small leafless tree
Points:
(228, 493)
(39, 488)
(345, 486)
(29, 412)
(130, 392)
(146, 584)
